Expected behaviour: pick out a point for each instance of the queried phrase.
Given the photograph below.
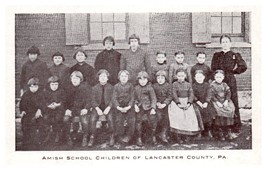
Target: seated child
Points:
(202, 99)
(145, 106)
(78, 105)
(221, 99)
(164, 97)
(32, 108)
(54, 98)
(183, 119)
(123, 104)
(102, 105)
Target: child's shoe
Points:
(221, 135)
(84, 141)
(112, 140)
(139, 142)
(91, 141)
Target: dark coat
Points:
(123, 95)
(89, 73)
(145, 96)
(206, 70)
(97, 95)
(163, 93)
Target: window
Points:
(102, 25)
(226, 23)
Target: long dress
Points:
(183, 121)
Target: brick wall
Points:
(168, 31)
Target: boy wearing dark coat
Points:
(32, 107)
(102, 105)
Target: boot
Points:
(69, 140)
(230, 134)
(48, 136)
(164, 136)
(178, 139)
(57, 137)
(139, 142)
(84, 141)
(221, 136)
(154, 140)
(210, 134)
(199, 136)
(125, 140)
(111, 141)
(91, 141)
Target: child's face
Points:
(54, 86)
(219, 77)
(134, 43)
(226, 43)
(181, 76)
(179, 58)
(76, 81)
(124, 78)
(57, 60)
(161, 58)
(80, 57)
(108, 45)
(142, 81)
(201, 58)
(199, 78)
(33, 57)
(161, 79)
(34, 88)
(103, 78)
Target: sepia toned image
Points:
(133, 81)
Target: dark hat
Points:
(109, 38)
(53, 79)
(134, 36)
(79, 50)
(58, 54)
(180, 70)
(33, 81)
(179, 52)
(33, 50)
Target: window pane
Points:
(227, 25)
(95, 17)
(237, 25)
(107, 29)
(95, 31)
(237, 14)
(119, 17)
(216, 25)
(120, 31)
(216, 13)
(107, 17)
(226, 13)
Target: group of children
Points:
(171, 99)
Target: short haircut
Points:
(58, 54)
(77, 74)
(53, 79)
(109, 38)
(123, 71)
(143, 74)
(199, 72)
(179, 52)
(101, 71)
(162, 52)
(79, 50)
(134, 36)
(33, 81)
(33, 50)
(180, 70)
(218, 71)
(201, 53)
(225, 36)
(161, 73)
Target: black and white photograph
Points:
(98, 85)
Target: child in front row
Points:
(164, 97)
(221, 99)
(32, 110)
(202, 99)
(200, 65)
(102, 105)
(124, 114)
(182, 115)
(179, 65)
(145, 106)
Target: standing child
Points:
(183, 119)
(160, 65)
(221, 98)
(78, 105)
(202, 99)
(34, 67)
(123, 100)
(32, 108)
(200, 65)
(102, 105)
(54, 98)
(89, 73)
(109, 59)
(59, 69)
(135, 59)
(145, 106)
(179, 65)
(164, 97)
